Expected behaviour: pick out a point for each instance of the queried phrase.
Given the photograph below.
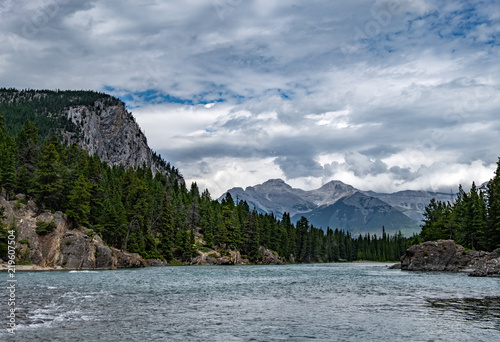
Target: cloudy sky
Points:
(384, 95)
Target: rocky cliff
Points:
(110, 132)
(446, 255)
(62, 248)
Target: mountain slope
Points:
(360, 214)
(96, 122)
(411, 203)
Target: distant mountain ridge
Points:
(339, 205)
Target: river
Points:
(317, 302)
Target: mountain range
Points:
(339, 205)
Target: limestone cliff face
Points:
(110, 132)
(63, 248)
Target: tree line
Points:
(157, 216)
(472, 220)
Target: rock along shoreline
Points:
(447, 256)
(68, 249)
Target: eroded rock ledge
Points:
(63, 248)
(446, 255)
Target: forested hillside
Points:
(155, 215)
(472, 220)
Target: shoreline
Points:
(37, 268)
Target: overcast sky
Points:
(383, 95)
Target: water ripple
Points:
(329, 302)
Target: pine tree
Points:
(78, 202)
(7, 161)
(167, 229)
(252, 233)
(24, 181)
(437, 219)
(302, 244)
(493, 228)
(48, 180)
(8, 178)
(207, 217)
(3, 232)
(27, 145)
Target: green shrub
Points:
(18, 204)
(203, 249)
(68, 242)
(24, 257)
(174, 262)
(44, 228)
(426, 253)
(24, 262)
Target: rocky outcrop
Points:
(446, 255)
(489, 266)
(219, 258)
(269, 257)
(63, 247)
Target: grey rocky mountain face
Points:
(111, 133)
(339, 205)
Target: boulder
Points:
(269, 257)
(217, 258)
(489, 266)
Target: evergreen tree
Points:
(27, 146)
(8, 175)
(207, 217)
(437, 218)
(78, 202)
(48, 180)
(492, 239)
(167, 229)
(4, 234)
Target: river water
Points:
(320, 302)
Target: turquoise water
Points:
(323, 302)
